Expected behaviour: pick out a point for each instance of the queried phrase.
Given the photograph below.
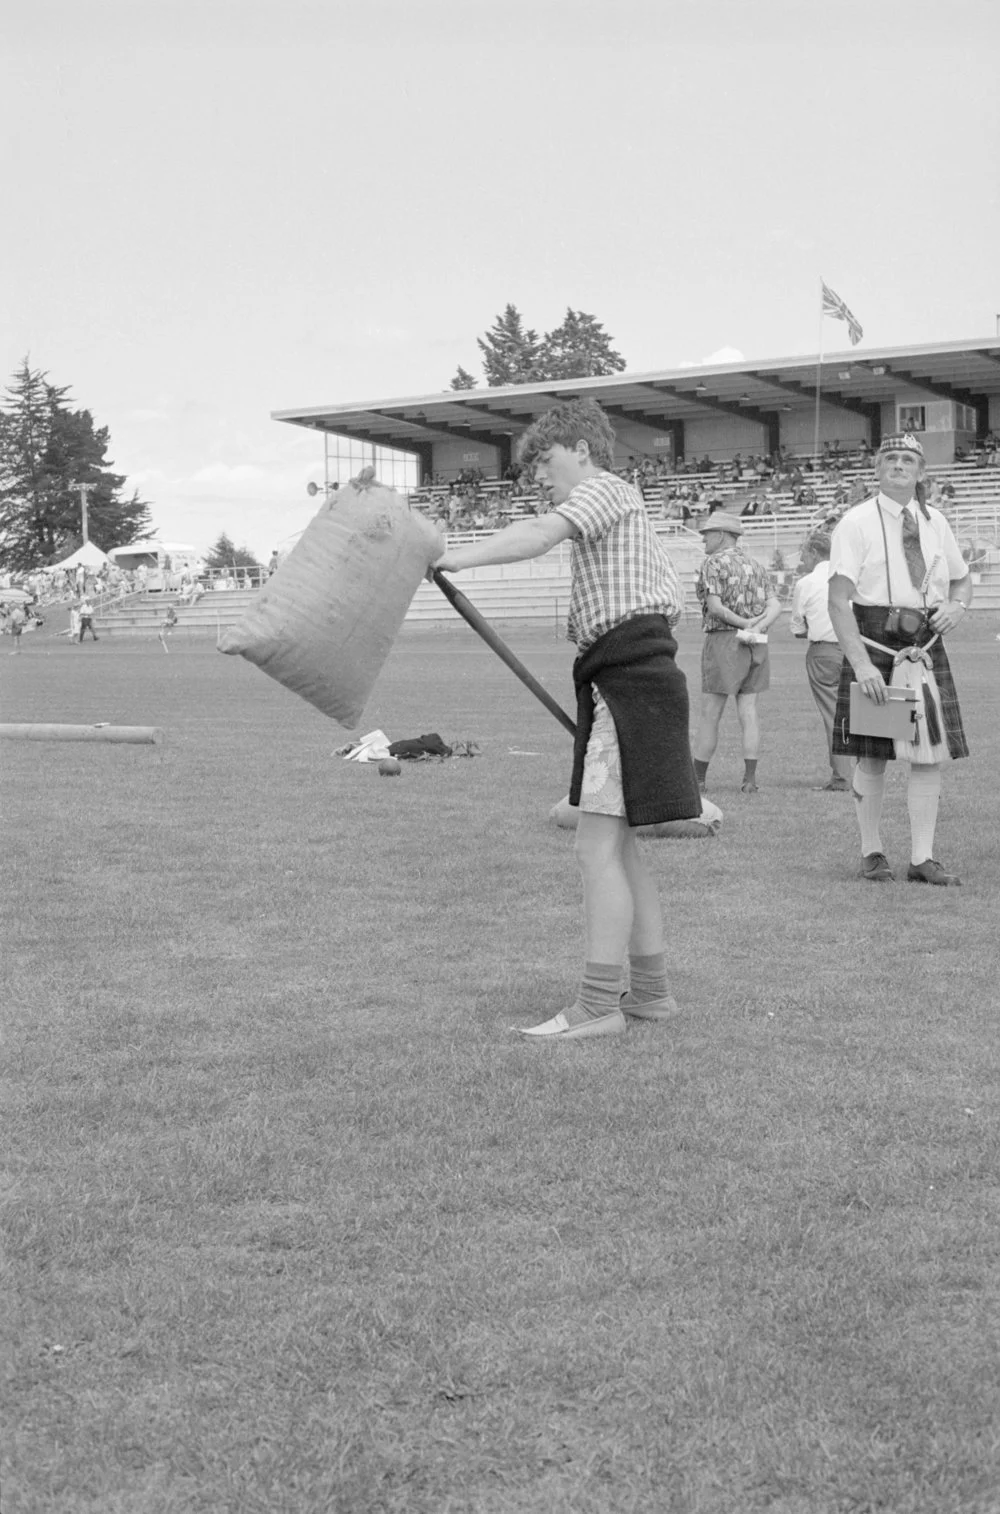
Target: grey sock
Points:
(648, 978)
(600, 988)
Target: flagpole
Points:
(819, 372)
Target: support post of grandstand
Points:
(139, 735)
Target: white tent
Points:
(88, 554)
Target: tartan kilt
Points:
(871, 622)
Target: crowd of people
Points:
(687, 491)
(88, 590)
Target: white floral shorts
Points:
(601, 791)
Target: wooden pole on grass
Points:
(143, 735)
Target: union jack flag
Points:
(834, 305)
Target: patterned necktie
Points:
(911, 549)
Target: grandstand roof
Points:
(968, 372)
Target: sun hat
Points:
(720, 521)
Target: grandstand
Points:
(722, 432)
(948, 392)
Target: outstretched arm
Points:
(516, 543)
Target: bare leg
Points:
(746, 710)
(647, 916)
(608, 904)
(707, 737)
(608, 914)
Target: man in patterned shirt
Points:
(737, 604)
(631, 761)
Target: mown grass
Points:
(294, 1222)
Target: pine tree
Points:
(510, 354)
(46, 451)
(463, 380)
(579, 348)
(224, 554)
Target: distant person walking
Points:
(87, 619)
(824, 659)
(17, 623)
(169, 621)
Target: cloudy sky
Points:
(220, 208)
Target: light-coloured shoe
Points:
(654, 1009)
(559, 1028)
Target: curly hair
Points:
(565, 425)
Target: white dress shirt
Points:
(859, 553)
(810, 615)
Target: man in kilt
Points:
(898, 586)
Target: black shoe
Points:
(931, 872)
(875, 867)
(749, 787)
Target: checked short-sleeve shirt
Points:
(740, 581)
(618, 568)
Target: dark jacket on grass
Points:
(634, 667)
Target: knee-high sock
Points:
(869, 792)
(922, 795)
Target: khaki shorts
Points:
(601, 791)
(729, 666)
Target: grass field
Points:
(294, 1223)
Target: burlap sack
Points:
(324, 622)
(566, 816)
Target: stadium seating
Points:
(538, 592)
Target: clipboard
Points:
(893, 721)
